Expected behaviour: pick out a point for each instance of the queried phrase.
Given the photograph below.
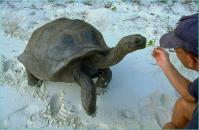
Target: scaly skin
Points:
(126, 45)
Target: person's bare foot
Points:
(169, 125)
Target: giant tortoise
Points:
(71, 50)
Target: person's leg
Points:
(182, 113)
(169, 125)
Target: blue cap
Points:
(185, 35)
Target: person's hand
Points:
(162, 57)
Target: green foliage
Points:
(151, 43)
(113, 8)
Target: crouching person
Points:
(184, 40)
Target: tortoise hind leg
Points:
(32, 80)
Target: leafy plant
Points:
(151, 43)
(113, 8)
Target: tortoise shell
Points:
(55, 45)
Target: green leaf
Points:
(151, 43)
(114, 8)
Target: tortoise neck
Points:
(108, 58)
(118, 54)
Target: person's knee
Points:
(185, 107)
(180, 104)
(179, 119)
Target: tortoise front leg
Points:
(88, 92)
(32, 80)
(104, 78)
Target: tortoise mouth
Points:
(141, 43)
(142, 46)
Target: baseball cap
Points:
(185, 35)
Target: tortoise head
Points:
(132, 42)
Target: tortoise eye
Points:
(137, 40)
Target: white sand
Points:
(139, 95)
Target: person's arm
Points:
(179, 82)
